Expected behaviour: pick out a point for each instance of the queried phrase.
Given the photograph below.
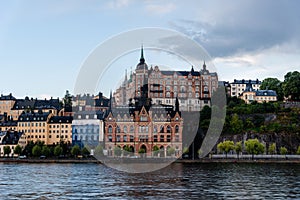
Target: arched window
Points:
(131, 129)
(168, 95)
(118, 129)
(162, 129)
(125, 129)
(110, 130)
(155, 129)
(168, 129)
(176, 129)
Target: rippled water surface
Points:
(178, 181)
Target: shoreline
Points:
(184, 161)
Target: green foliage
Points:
(236, 124)
(254, 147)
(226, 146)
(238, 147)
(291, 86)
(85, 151)
(18, 150)
(117, 151)
(46, 151)
(185, 150)
(67, 100)
(6, 150)
(36, 150)
(273, 84)
(99, 151)
(272, 148)
(155, 150)
(283, 150)
(171, 151)
(75, 151)
(58, 150)
(298, 151)
(141, 151)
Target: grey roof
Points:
(29, 116)
(7, 97)
(11, 137)
(27, 103)
(265, 93)
(243, 81)
(60, 119)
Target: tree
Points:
(254, 147)
(273, 84)
(18, 150)
(67, 100)
(155, 150)
(298, 150)
(36, 150)
(6, 150)
(291, 85)
(45, 151)
(99, 151)
(75, 151)
(272, 148)
(58, 150)
(85, 151)
(117, 151)
(236, 124)
(226, 146)
(238, 148)
(283, 150)
(171, 151)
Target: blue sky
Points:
(44, 43)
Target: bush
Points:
(58, 150)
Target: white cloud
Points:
(118, 4)
(160, 9)
(273, 62)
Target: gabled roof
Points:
(27, 103)
(10, 137)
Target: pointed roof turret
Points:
(142, 65)
(177, 105)
(142, 59)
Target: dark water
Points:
(178, 181)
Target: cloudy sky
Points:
(43, 44)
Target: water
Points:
(178, 181)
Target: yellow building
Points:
(250, 95)
(237, 87)
(6, 104)
(59, 129)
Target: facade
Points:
(6, 104)
(59, 130)
(141, 126)
(237, 87)
(88, 128)
(249, 95)
(34, 126)
(193, 88)
(11, 139)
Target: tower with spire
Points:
(141, 78)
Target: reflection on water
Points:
(178, 181)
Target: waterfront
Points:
(178, 181)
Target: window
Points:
(125, 129)
(155, 138)
(110, 138)
(168, 129)
(131, 129)
(118, 129)
(125, 138)
(131, 138)
(176, 129)
(110, 130)
(162, 138)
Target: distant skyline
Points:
(44, 43)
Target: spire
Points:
(192, 70)
(204, 66)
(110, 101)
(177, 105)
(142, 59)
(125, 74)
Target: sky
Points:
(43, 44)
